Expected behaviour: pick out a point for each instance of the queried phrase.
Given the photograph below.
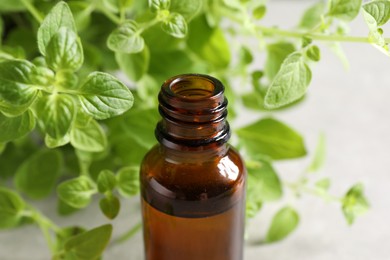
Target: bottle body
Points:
(193, 210)
(193, 182)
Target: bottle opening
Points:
(192, 87)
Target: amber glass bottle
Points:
(193, 182)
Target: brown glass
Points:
(193, 182)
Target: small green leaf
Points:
(345, 10)
(106, 181)
(11, 208)
(16, 90)
(245, 56)
(209, 43)
(56, 112)
(16, 127)
(59, 16)
(65, 209)
(273, 138)
(128, 181)
(134, 65)
(103, 96)
(276, 54)
(175, 25)
(126, 38)
(290, 83)
(323, 185)
(53, 143)
(379, 10)
(158, 5)
(77, 192)
(87, 135)
(37, 176)
(259, 12)
(110, 206)
(283, 223)
(64, 51)
(354, 203)
(313, 53)
(264, 181)
(312, 16)
(376, 34)
(187, 8)
(319, 155)
(306, 41)
(91, 244)
(41, 76)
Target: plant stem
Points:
(33, 11)
(314, 36)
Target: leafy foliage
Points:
(55, 91)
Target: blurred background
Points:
(351, 106)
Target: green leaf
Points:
(158, 5)
(319, 155)
(209, 43)
(16, 91)
(56, 112)
(87, 135)
(42, 76)
(345, 10)
(259, 12)
(187, 8)
(106, 181)
(53, 142)
(64, 51)
(312, 16)
(103, 96)
(16, 127)
(126, 38)
(110, 206)
(64, 209)
(354, 203)
(91, 244)
(276, 54)
(376, 34)
(283, 223)
(290, 83)
(175, 25)
(128, 181)
(37, 176)
(264, 181)
(323, 185)
(134, 65)
(273, 138)
(77, 192)
(11, 208)
(59, 16)
(313, 53)
(379, 10)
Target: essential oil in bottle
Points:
(193, 181)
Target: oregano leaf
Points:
(16, 90)
(272, 138)
(345, 10)
(379, 10)
(110, 206)
(64, 51)
(134, 65)
(276, 54)
(89, 245)
(11, 208)
(128, 181)
(16, 127)
(290, 83)
(37, 175)
(106, 181)
(59, 16)
(187, 8)
(103, 96)
(56, 112)
(175, 25)
(77, 192)
(283, 223)
(313, 53)
(354, 203)
(126, 38)
(158, 5)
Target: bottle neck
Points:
(193, 110)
